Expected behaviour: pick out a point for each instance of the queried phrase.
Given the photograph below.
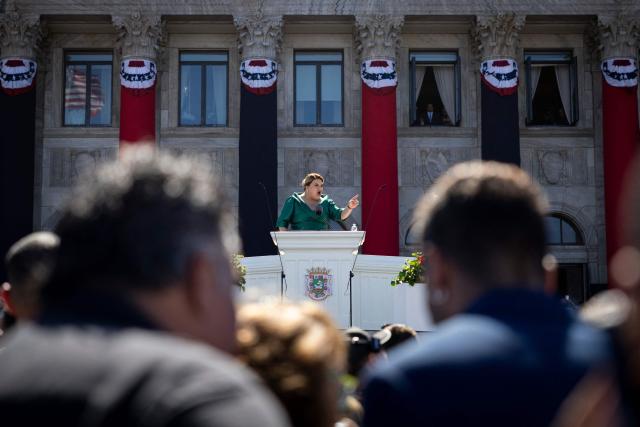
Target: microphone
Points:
(373, 205)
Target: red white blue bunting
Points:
(259, 75)
(379, 73)
(138, 73)
(500, 75)
(17, 75)
(620, 72)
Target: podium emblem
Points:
(318, 282)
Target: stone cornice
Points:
(377, 36)
(617, 35)
(20, 34)
(497, 35)
(140, 35)
(259, 35)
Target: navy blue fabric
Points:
(500, 127)
(17, 148)
(509, 360)
(258, 167)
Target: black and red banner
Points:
(380, 157)
(499, 104)
(258, 156)
(137, 101)
(620, 138)
(17, 150)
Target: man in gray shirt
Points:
(138, 314)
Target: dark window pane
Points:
(306, 94)
(318, 56)
(434, 56)
(331, 95)
(190, 94)
(75, 94)
(100, 96)
(569, 236)
(88, 57)
(216, 96)
(552, 225)
(551, 94)
(548, 57)
(204, 56)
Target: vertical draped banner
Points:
(17, 150)
(620, 138)
(258, 155)
(137, 101)
(380, 157)
(500, 127)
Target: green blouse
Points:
(297, 214)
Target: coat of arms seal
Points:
(318, 281)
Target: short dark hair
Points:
(29, 263)
(310, 177)
(135, 222)
(398, 333)
(487, 218)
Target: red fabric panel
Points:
(620, 142)
(380, 171)
(137, 115)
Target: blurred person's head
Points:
(29, 263)
(398, 334)
(482, 228)
(299, 353)
(362, 348)
(154, 229)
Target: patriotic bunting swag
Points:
(620, 137)
(379, 157)
(258, 155)
(500, 127)
(17, 142)
(137, 101)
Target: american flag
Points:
(76, 90)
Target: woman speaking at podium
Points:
(312, 210)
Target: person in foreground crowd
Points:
(504, 353)
(300, 354)
(29, 263)
(398, 333)
(138, 313)
(311, 209)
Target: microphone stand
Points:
(351, 274)
(283, 277)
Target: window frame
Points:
(573, 83)
(564, 219)
(318, 66)
(87, 111)
(203, 87)
(457, 76)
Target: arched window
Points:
(562, 231)
(410, 238)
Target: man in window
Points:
(431, 117)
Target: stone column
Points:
(377, 38)
(618, 41)
(496, 40)
(259, 40)
(20, 35)
(140, 39)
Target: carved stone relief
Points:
(19, 34)
(617, 35)
(223, 162)
(377, 36)
(422, 166)
(66, 165)
(497, 35)
(258, 35)
(561, 167)
(140, 35)
(337, 166)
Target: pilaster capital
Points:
(617, 35)
(140, 35)
(377, 36)
(497, 35)
(259, 36)
(20, 34)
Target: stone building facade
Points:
(566, 160)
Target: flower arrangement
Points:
(240, 269)
(411, 272)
